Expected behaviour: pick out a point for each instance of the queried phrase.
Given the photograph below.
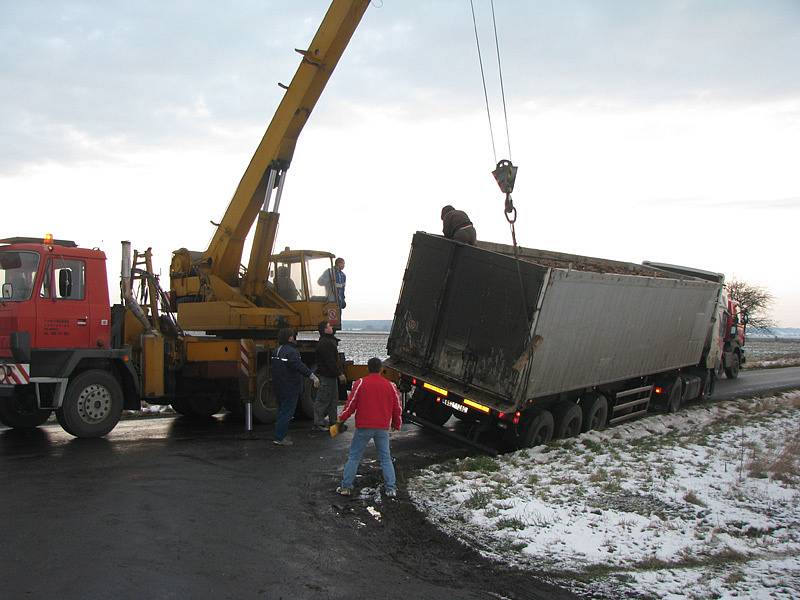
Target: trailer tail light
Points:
(441, 391)
(517, 415)
(658, 390)
(501, 415)
(476, 406)
(414, 381)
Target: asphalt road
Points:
(167, 508)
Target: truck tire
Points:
(265, 405)
(538, 429)
(203, 407)
(181, 406)
(307, 399)
(595, 413)
(675, 397)
(709, 384)
(568, 420)
(426, 407)
(20, 411)
(732, 372)
(92, 404)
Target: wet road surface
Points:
(169, 508)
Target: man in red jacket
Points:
(376, 404)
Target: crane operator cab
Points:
(304, 280)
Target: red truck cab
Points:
(54, 292)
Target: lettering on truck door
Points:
(63, 307)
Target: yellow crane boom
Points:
(214, 294)
(274, 153)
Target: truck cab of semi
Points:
(54, 295)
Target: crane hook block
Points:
(505, 174)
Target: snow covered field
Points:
(701, 504)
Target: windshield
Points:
(17, 274)
(320, 275)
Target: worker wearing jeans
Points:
(376, 404)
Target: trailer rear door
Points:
(464, 315)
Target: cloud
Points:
(81, 79)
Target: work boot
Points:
(343, 491)
(391, 493)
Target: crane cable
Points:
(505, 174)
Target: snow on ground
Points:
(701, 504)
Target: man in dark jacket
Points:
(376, 404)
(457, 226)
(330, 374)
(288, 371)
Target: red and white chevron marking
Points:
(245, 358)
(15, 374)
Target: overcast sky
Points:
(666, 131)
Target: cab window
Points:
(68, 276)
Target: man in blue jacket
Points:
(288, 371)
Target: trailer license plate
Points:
(455, 405)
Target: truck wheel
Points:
(181, 406)
(595, 414)
(674, 399)
(538, 429)
(307, 398)
(265, 406)
(92, 405)
(709, 383)
(20, 411)
(568, 420)
(204, 407)
(732, 372)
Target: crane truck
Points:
(524, 345)
(203, 343)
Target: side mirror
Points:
(8, 291)
(65, 283)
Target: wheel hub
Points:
(94, 403)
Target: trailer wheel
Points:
(265, 405)
(20, 411)
(568, 420)
(538, 429)
(674, 400)
(426, 407)
(595, 413)
(92, 405)
(732, 372)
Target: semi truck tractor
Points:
(535, 344)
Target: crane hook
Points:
(505, 175)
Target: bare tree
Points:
(754, 300)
